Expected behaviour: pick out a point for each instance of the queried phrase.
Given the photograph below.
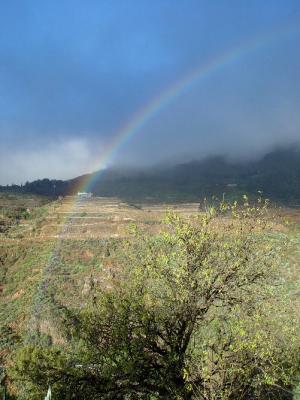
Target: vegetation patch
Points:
(198, 310)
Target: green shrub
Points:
(194, 312)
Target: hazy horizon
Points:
(163, 165)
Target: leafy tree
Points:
(193, 312)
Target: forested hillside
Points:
(277, 174)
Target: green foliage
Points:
(43, 365)
(194, 312)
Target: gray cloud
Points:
(59, 160)
(75, 73)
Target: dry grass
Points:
(104, 217)
(82, 230)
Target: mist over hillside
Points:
(277, 175)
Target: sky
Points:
(74, 73)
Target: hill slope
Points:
(277, 174)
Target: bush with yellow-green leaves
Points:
(197, 311)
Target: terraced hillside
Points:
(99, 217)
(53, 255)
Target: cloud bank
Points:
(59, 160)
(73, 73)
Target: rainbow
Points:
(169, 94)
(150, 109)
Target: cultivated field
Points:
(99, 217)
(53, 254)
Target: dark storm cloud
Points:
(72, 73)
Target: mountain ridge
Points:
(277, 174)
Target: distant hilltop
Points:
(277, 175)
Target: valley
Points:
(54, 255)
